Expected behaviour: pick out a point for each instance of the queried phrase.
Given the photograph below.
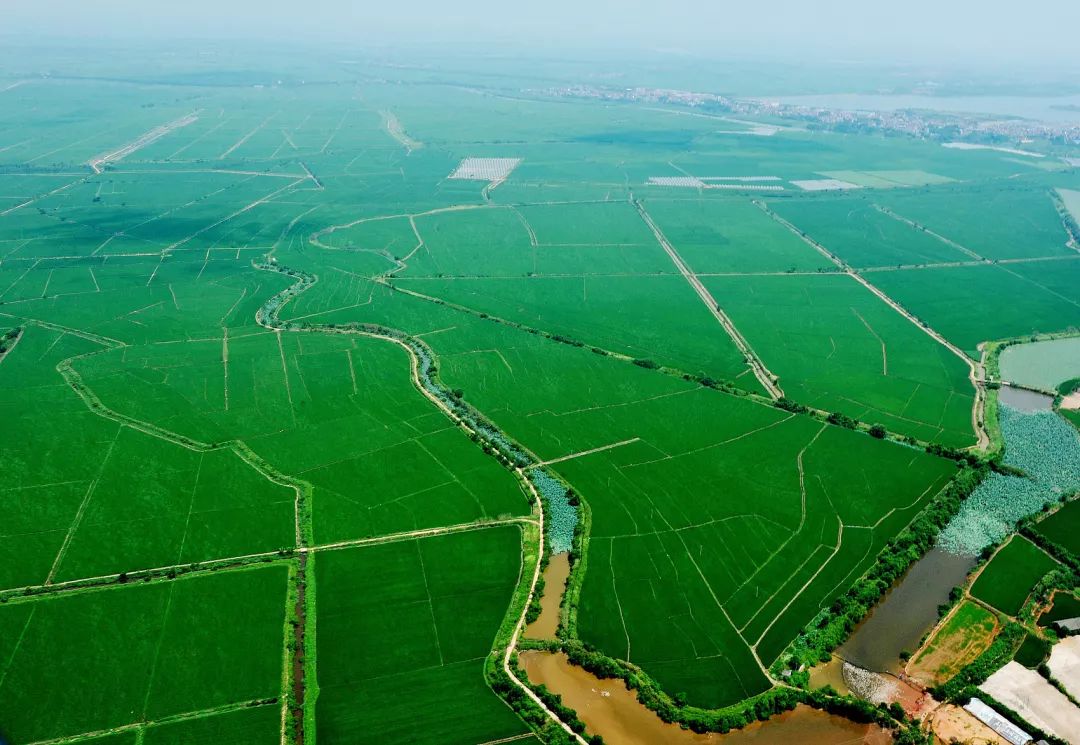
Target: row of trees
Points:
(533, 715)
(757, 708)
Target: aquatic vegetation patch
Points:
(1047, 449)
(559, 513)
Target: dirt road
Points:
(761, 372)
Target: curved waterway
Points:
(612, 711)
(1037, 441)
(555, 575)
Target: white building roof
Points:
(998, 723)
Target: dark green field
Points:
(190, 647)
(413, 620)
(1063, 527)
(1012, 573)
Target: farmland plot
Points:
(337, 412)
(403, 633)
(87, 497)
(995, 222)
(649, 317)
(864, 236)
(1063, 527)
(727, 236)
(1010, 576)
(673, 544)
(837, 347)
(190, 645)
(964, 303)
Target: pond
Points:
(1041, 364)
(908, 611)
(1025, 400)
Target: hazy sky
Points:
(1038, 31)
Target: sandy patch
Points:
(1064, 664)
(1071, 199)
(1032, 697)
(830, 674)
(825, 184)
(1071, 402)
(952, 724)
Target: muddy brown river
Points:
(544, 627)
(612, 711)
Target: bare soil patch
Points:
(1064, 664)
(1031, 696)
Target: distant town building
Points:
(998, 723)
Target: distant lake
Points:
(1053, 109)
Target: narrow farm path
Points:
(269, 320)
(103, 580)
(583, 453)
(142, 141)
(396, 129)
(761, 372)
(976, 370)
(141, 726)
(923, 229)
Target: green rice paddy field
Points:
(408, 621)
(218, 528)
(1063, 527)
(1010, 576)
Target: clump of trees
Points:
(842, 420)
(566, 340)
(533, 715)
(788, 405)
(9, 339)
(960, 456)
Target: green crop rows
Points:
(1008, 579)
(275, 386)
